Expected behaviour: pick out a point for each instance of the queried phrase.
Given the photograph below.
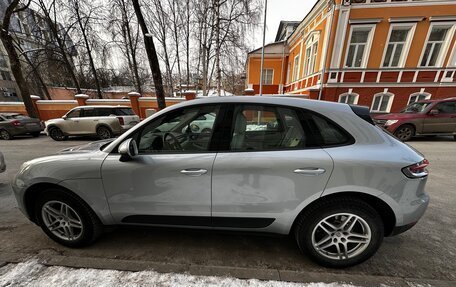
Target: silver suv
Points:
(319, 171)
(102, 121)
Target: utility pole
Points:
(262, 49)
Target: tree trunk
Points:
(187, 42)
(15, 63)
(131, 48)
(89, 50)
(37, 75)
(152, 56)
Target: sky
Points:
(290, 10)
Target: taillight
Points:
(416, 170)
(121, 121)
(16, 123)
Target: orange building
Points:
(383, 54)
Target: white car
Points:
(103, 121)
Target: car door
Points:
(169, 182)
(444, 121)
(273, 165)
(71, 123)
(89, 121)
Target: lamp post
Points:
(262, 49)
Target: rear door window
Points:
(263, 128)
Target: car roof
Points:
(10, 114)
(103, 107)
(274, 100)
(438, 100)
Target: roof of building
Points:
(282, 26)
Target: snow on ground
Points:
(31, 273)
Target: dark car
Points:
(423, 118)
(14, 124)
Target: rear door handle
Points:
(194, 171)
(310, 171)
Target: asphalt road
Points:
(428, 251)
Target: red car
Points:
(423, 118)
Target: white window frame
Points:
(311, 57)
(264, 76)
(390, 102)
(355, 102)
(407, 44)
(367, 50)
(445, 46)
(296, 68)
(452, 60)
(427, 96)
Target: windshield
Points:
(416, 108)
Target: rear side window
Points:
(263, 128)
(124, 112)
(104, 112)
(329, 133)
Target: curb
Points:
(223, 271)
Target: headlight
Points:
(390, 122)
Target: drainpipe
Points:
(262, 49)
(323, 71)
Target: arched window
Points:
(416, 97)
(382, 102)
(349, 98)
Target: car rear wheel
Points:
(104, 133)
(405, 132)
(5, 135)
(66, 219)
(340, 232)
(56, 134)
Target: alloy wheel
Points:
(5, 135)
(103, 133)
(404, 133)
(341, 236)
(62, 220)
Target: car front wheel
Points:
(56, 134)
(405, 132)
(340, 232)
(67, 219)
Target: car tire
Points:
(405, 133)
(66, 219)
(360, 242)
(104, 133)
(37, 134)
(5, 135)
(56, 134)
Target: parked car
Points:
(14, 124)
(313, 169)
(423, 118)
(2, 163)
(102, 121)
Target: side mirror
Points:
(128, 150)
(434, 112)
(64, 117)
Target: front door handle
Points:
(194, 171)
(310, 171)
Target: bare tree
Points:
(129, 36)
(50, 10)
(84, 15)
(152, 56)
(8, 43)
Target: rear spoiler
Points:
(362, 112)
